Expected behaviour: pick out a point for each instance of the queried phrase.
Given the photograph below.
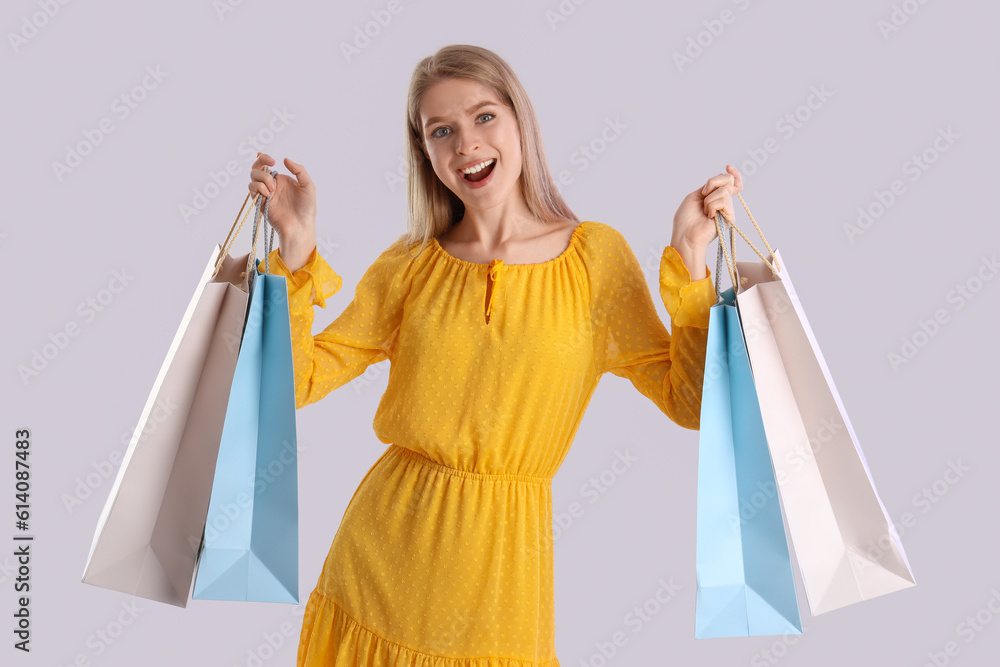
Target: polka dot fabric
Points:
(444, 555)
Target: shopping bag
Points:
(847, 547)
(147, 537)
(250, 548)
(744, 572)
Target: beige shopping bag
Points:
(150, 529)
(847, 548)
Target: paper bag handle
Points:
(718, 257)
(268, 239)
(231, 237)
(732, 268)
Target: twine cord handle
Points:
(774, 267)
(254, 200)
(730, 263)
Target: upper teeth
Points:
(479, 167)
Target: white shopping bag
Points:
(149, 532)
(846, 545)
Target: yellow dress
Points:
(444, 554)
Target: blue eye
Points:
(438, 136)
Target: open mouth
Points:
(481, 174)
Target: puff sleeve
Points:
(362, 335)
(631, 340)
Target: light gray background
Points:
(61, 239)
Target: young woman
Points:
(499, 312)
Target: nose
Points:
(467, 141)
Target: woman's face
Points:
(464, 124)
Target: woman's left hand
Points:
(694, 221)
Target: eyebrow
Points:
(478, 105)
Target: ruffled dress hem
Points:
(343, 641)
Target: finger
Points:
(261, 176)
(717, 182)
(717, 196)
(727, 216)
(737, 178)
(726, 208)
(258, 184)
(262, 159)
(257, 176)
(719, 200)
(300, 172)
(259, 188)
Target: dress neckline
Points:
(573, 239)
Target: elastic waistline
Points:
(483, 476)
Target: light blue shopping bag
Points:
(744, 573)
(250, 545)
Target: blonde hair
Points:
(433, 208)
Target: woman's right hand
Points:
(291, 210)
